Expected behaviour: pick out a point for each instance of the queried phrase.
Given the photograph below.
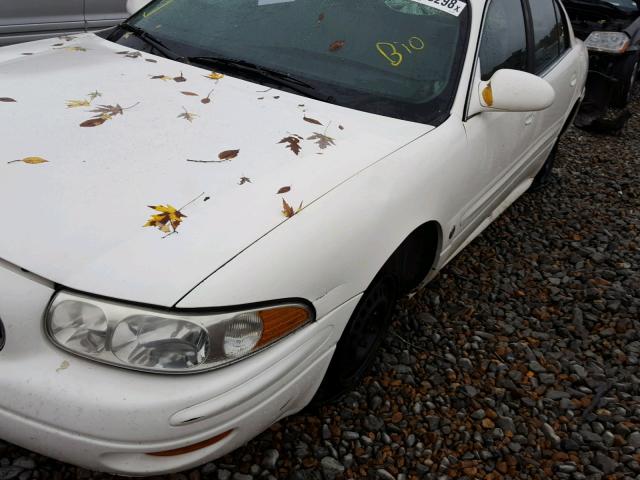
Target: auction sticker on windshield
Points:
(454, 7)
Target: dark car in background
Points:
(27, 20)
(611, 32)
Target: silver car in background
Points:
(26, 20)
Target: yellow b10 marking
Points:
(393, 55)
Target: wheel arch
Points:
(416, 256)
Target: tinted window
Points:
(398, 58)
(504, 42)
(546, 33)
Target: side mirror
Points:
(515, 91)
(134, 5)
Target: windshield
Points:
(399, 58)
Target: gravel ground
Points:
(519, 361)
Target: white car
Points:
(214, 207)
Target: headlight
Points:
(608, 42)
(166, 342)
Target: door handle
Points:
(529, 120)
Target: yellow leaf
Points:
(78, 103)
(30, 160)
(168, 217)
(34, 160)
(215, 76)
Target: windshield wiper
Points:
(279, 78)
(153, 42)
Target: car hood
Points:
(77, 198)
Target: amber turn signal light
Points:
(279, 322)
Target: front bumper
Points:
(105, 418)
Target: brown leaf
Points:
(94, 122)
(205, 100)
(228, 154)
(312, 120)
(322, 140)
(293, 143)
(26, 54)
(337, 45)
(288, 211)
(57, 44)
(7, 100)
(150, 60)
(340, 127)
(283, 190)
(244, 180)
(180, 79)
(190, 94)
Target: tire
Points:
(360, 340)
(627, 74)
(545, 174)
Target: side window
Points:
(547, 34)
(504, 41)
(565, 40)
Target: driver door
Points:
(499, 142)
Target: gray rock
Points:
(224, 474)
(9, 473)
(270, 458)
(331, 467)
(605, 463)
(373, 423)
(634, 439)
(384, 475)
(550, 433)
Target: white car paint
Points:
(76, 222)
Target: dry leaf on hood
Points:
(164, 78)
(168, 218)
(93, 95)
(72, 49)
(283, 190)
(337, 45)
(228, 154)
(150, 60)
(311, 120)
(180, 79)
(78, 103)
(244, 180)
(104, 113)
(190, 94)
(129, 54)
(57, 44)
(340, 127)
(31, 160)
(188, 116)
(7, 100)
(214, 76)
(322, 140)
(94, 122)
(293, 143)
(288, 211)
